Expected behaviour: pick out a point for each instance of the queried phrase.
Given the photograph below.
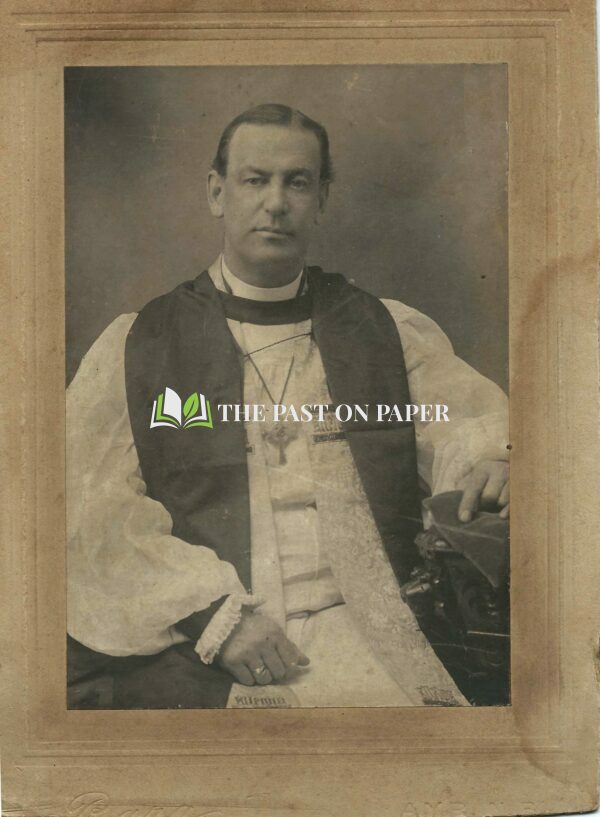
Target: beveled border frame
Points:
(451, 760)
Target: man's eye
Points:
(299, 183)
(255, 181)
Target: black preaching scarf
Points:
(200, 475)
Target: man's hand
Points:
(486, 485)
(258, 651)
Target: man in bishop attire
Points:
(260, 563)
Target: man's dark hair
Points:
(273, 114)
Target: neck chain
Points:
(264, 382)
(280, 434)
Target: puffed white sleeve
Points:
(477, 426)
(129, 580)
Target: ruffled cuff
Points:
(222, 624)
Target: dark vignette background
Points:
(418, 211)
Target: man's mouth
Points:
(273, 231)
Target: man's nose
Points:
(276, 199)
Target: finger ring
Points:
(259, 670)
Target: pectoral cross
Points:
(280, 435)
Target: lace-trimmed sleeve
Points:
(129, 580)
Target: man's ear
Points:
(323, 194)
(215, 189)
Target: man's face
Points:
(269, 199)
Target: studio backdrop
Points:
(417, 211)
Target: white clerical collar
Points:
(252, 293)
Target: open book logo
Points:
(167, 411)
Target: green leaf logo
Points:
(191, 405)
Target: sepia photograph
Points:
(286, 307)
(300, 366)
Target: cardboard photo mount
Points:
(536, 756)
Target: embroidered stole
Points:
(355, 552)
